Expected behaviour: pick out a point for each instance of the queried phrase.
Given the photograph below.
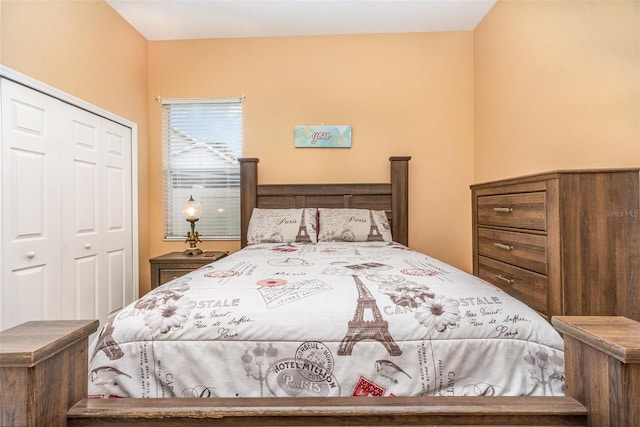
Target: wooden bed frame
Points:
(43, 365)
(392, 197)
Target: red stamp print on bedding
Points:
(418, 272)
(271, 282)
(365, 387)
(221, 274)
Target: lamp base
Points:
(192, 251)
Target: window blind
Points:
(202, 143)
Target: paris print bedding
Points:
(326, 319)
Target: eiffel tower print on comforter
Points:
(326, 319)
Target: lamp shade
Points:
(192, 210)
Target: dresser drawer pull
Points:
(503, 210)
(503, 246)
(504, 279)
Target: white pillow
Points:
(282, 226)
(353, 225)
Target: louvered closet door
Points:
(31, 258)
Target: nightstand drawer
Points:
(521, 249)
(167, 267)
(527, 286)
(167, 275)
(526, 210)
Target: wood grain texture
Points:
(342, 411)
(527, 210)
(43, 371)
(615, 336)
(602, 367)
(600, 225)
(524, 250)
(591, 223)
(400, 198)
(248, 194)
(27, 344)
(523, 284)
(175, 264)
(390, 197)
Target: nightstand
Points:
(175, 264)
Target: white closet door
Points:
(97, 220)
(82, 213)
(67, 210)
(117, 225)
(31, 138)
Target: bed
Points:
(601, 353)
(322, 301)
(326, 319)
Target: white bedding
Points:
(326, 319)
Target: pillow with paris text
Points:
(353, 225)
(282, 226)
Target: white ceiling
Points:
(204, 19)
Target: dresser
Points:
(563, 242)
(175, 264)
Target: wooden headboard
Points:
(391, 197)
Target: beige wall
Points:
(538, 85)
(557, 85)
(87, 50)
(404, 94)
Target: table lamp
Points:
(192, 211)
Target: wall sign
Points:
(323, 136)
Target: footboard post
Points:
(43, 371)
(602, 367)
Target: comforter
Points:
(326, 319)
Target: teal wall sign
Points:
(323, 136)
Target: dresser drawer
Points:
(524, 250)
(525, 210)
(525, 285)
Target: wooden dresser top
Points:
(550, 175)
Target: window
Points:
(202, 144)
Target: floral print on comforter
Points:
(326, 319)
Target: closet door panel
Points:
(86, 271)
(27, 196)
(81, 215)
(31, 136)
(28, 297)
(118, 220)
(117, 279)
